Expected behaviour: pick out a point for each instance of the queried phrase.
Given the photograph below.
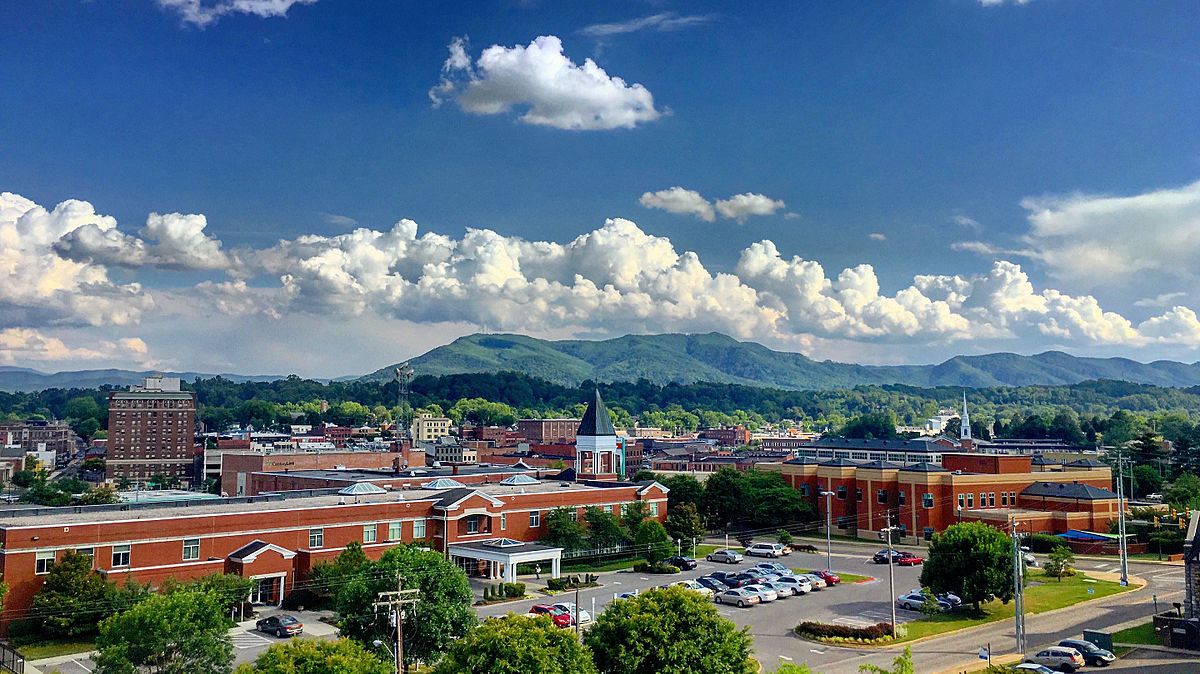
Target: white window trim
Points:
(40, 556)
(185, 549)
(373, 531)
(316, 533)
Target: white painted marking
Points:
(813, 650)
(81, 665)
(784, 657)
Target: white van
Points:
(765, 550)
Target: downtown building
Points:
(39, 436)
(151, 431)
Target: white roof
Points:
(442, 483)
(361, 489)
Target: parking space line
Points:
(81, 665)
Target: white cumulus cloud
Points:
(741, 206)
(681, 202)
(203, 13)
(545, 84)
(170, 241)
(23, 345)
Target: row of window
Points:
(987, 499)
(881, 496)
(44, 559)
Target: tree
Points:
(1183, 492)
(74, 597)
(684, 489)
(668, 631)
(642, 475)
(724, 497)
(652, 539)
(684, 523)
(564, 531)
(230, 589)
(328, 576)
(47, 494)
(317, 656)
(103, 494)
(1146, 480)
(873, 425)
(632, 515)
(516, 645)
(87, 428)
(903, 664)
(1167, 539)
(793, 668)
(971, 560)
(1059, 561)
(604, 530)
(25, 478)
(1065, 426)
(178, 633)
(784, 537)
(431, 625)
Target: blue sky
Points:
(1008, 176)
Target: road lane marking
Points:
(81, 665)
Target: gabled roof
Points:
(1041, 460)
(647, 484)
(880, 464)
(596, 420)
(450, 499)
(1068, 490)
(924, 467)
(250, 551)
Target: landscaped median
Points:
(1041, 595)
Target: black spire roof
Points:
(596, 420)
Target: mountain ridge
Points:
(715, 357)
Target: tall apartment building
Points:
(548, 431)
(151, 429)
(428, 428)
(36, 435)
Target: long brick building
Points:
(276, 539)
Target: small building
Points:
(428, 428)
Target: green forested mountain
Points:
(713, 357)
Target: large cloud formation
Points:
(614, 279)
(540, 79)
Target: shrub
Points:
(844, 632)
(642, 567)
(805, 548)
(1042, 542)
(514, 590)
(558, 584)
(647, 567)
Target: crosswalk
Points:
(244, 640)
(868, 618)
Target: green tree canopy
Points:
(517, 645)
(1146, 480)
(1183, 492)
(684, 523)
(564, 531)
(74, 597)
(178, 633)
(317, 656)
(442, 615)
(972, 560)
(652, 540)
(873, 425)
(903, 664)
(668, 631)
(684, 489)
(604, 530)
(1059, 561)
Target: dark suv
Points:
(881, 557)
(684, 563)
(1092, 654)
(728, 578)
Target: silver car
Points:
(739, 596)
(765, 594)
(782, 589)
(817, 582)
(774, 567)
(726, 556)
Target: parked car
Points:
(908, 559)
(914, 600)
(569, 607)
(627, 595)
(782, 589)
(1154, 497)
(829, 577)
(728, 578)
(727, 556)
(558, 616)
(882, 556)
(817, 582)
(766, 594)
(1029, 559)
(765, 550)
(801, 585)
(712, 584)
(1092, 654)
(694, 586)
(739, 596)
(749, 578)
(281, 626)
(1032, 667)
(948, 597)
(1061, 658)
(774, 567)
(685, 563)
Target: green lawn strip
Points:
(49, 649)
(1043, 594)
(1139, 634)
(846, 577)
(627, 562)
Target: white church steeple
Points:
(964, 432)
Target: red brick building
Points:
(924, 498)
(729, 436)
(547, 431)
(237, 467)
(151, 431)
(277, 539)
(36, 435)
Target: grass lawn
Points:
(1140, 634)
(623, 563)
(1042, 594)
(846, 577)
(50, 649)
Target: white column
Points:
(554, 566)
(510, 572)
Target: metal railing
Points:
(11, 660)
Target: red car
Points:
(906, 559)
(829, 577)
(560, 617)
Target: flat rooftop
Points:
(406, 475)
(33, 516)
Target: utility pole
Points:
(891, 573)
(828, 529)
(395, 602)
(1018, 587)
(1121, 519)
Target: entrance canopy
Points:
(503, 555)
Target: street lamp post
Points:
(891, 573)
(828, 529)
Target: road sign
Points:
(1091, 590)
(983, 654)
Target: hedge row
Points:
(647, 567)
(827, 631)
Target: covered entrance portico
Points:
(268, 565)
(498, 558)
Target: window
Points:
(191, 549)
(970, 500)
(120, 555)
(1012, 498)
(1003, 498)
(901, 496)
(992, 499)
(928, 533)
(961, 503)
(90, 553)
(473, 524)
(858, 494)
(654, 510)
(503, 521)
(982, 500)
(804, 490)
(419, 529)
(535, 519)
(395, 530)
(43, 561)
(370, 531)
(841, 493)
(881, 496)
(316, 538)
(926, 500)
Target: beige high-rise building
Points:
(151, 431)
(428, 428)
